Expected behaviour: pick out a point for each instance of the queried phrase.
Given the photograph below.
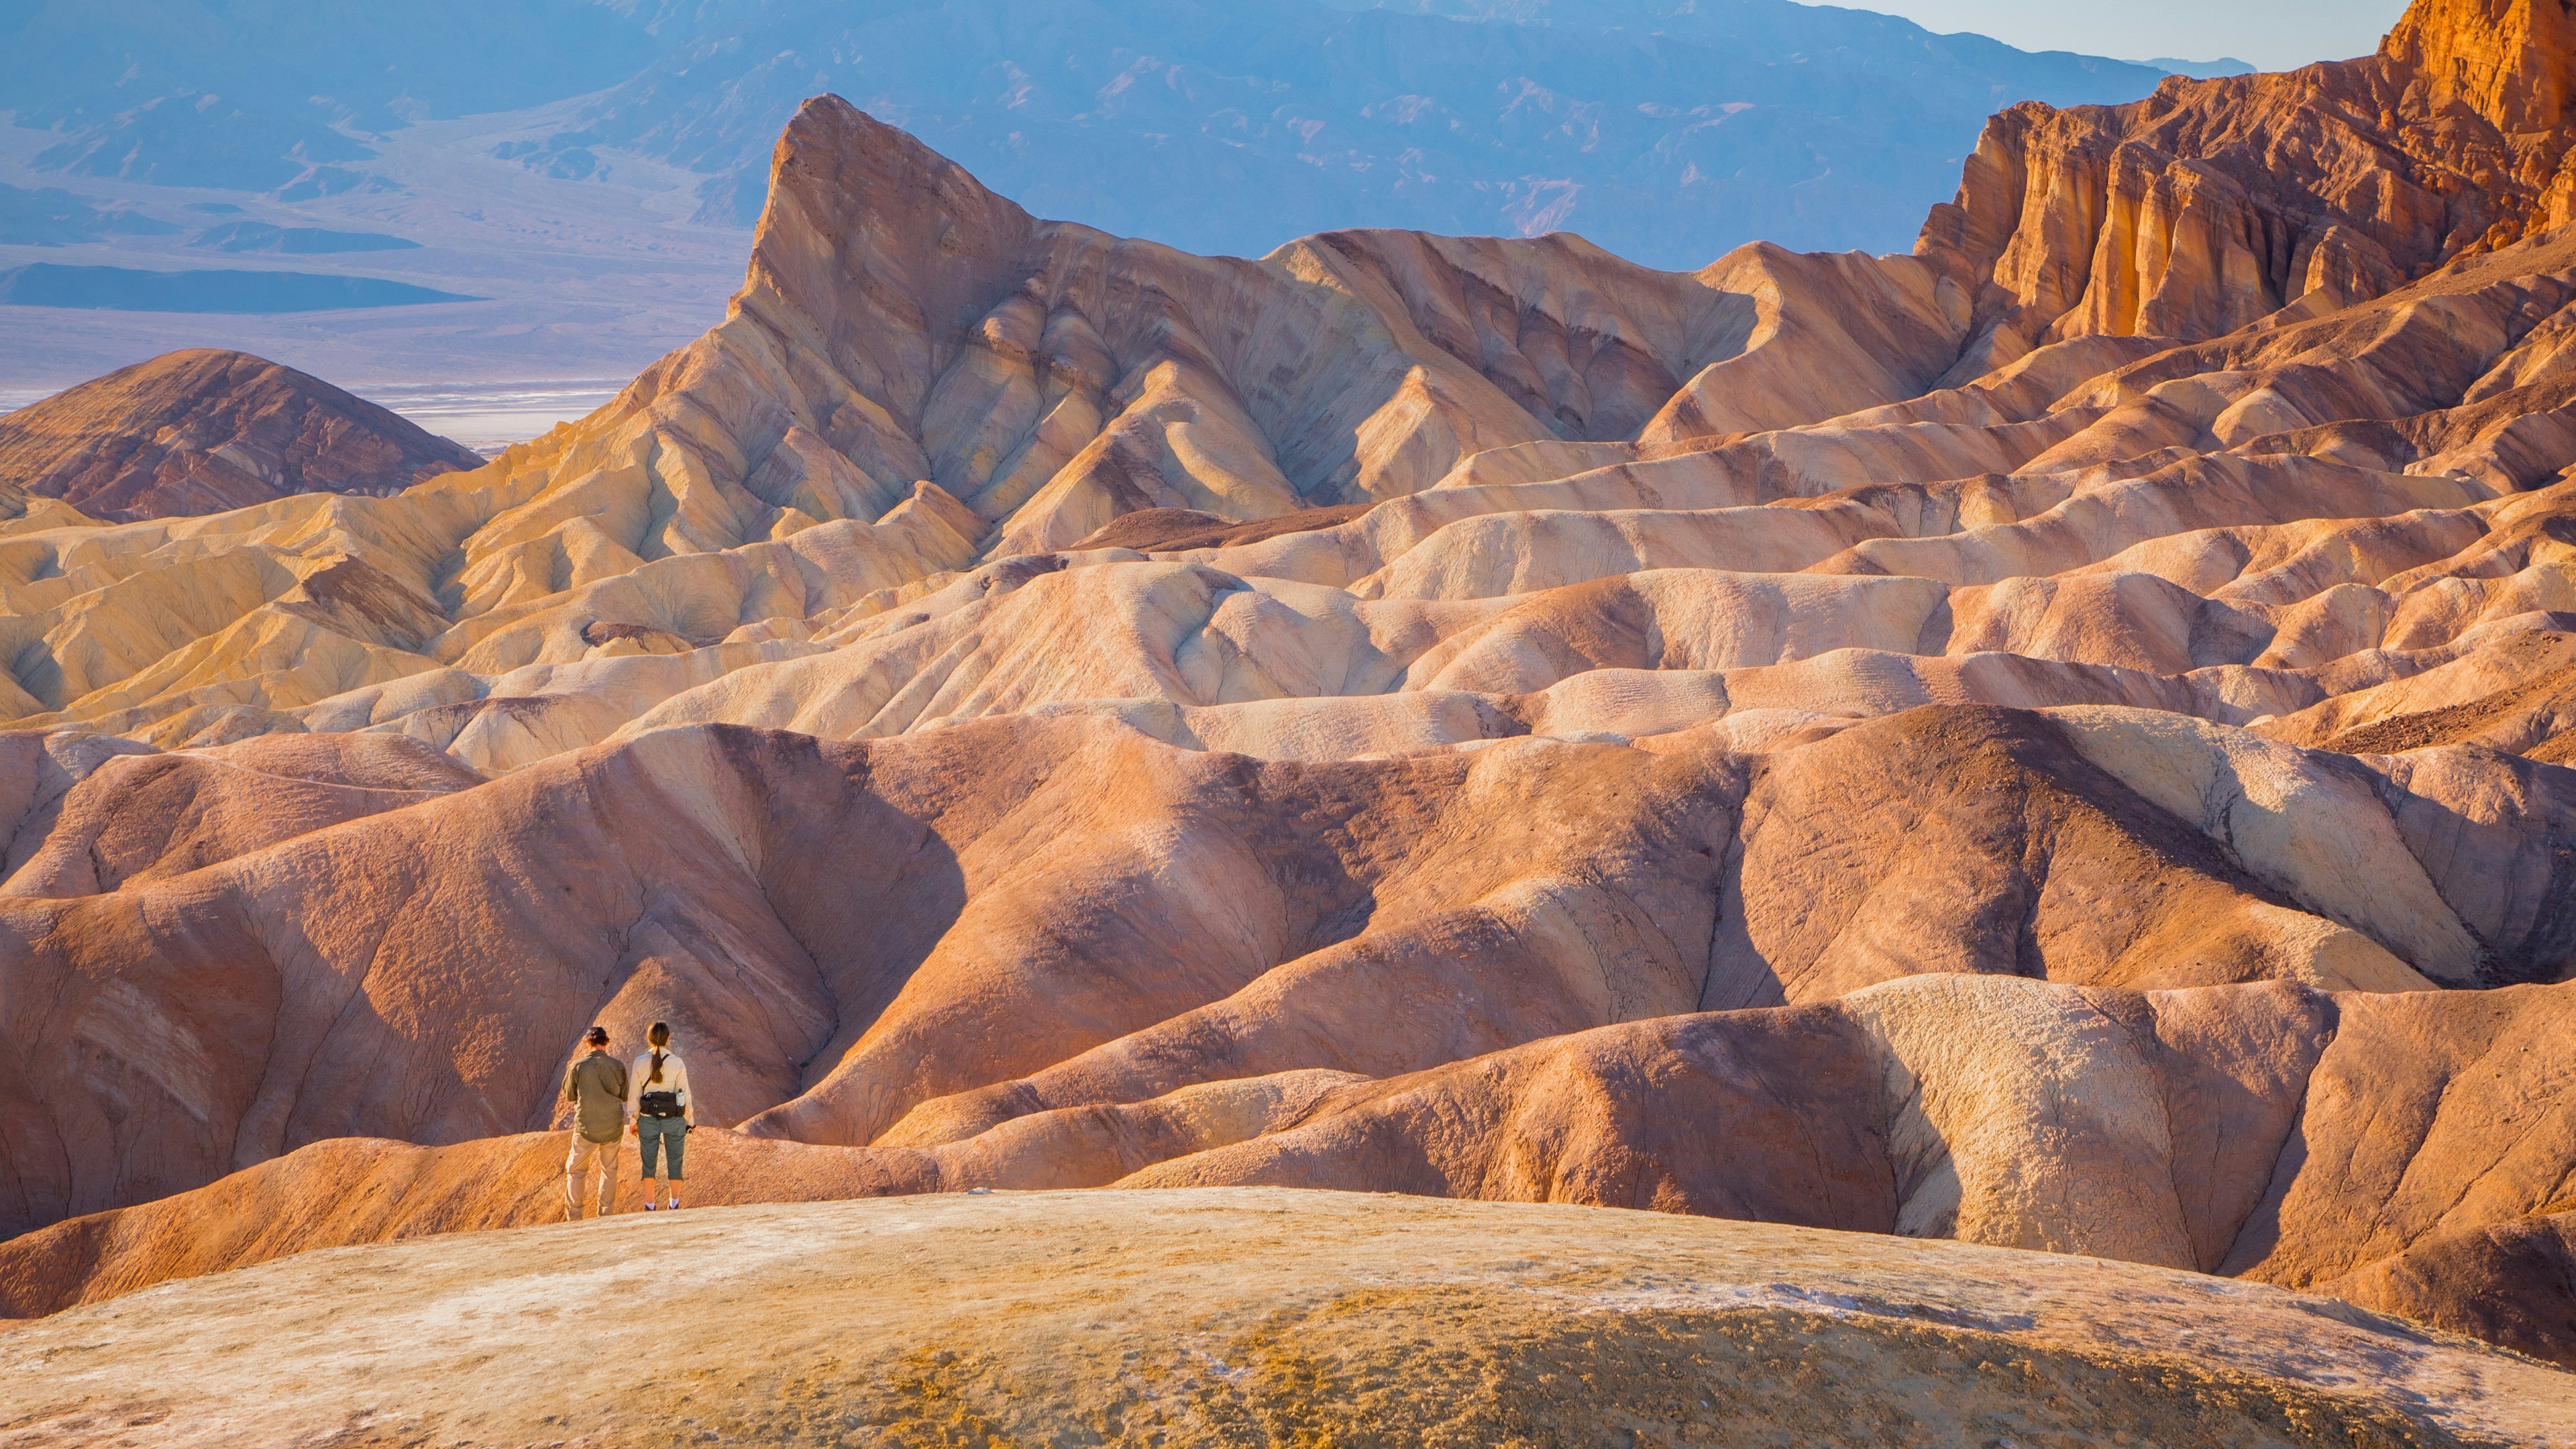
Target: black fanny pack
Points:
(658, 1104)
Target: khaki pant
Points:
(577, 1167)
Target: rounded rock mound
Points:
(208, 430)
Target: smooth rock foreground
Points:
(1241, 1317)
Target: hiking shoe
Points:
(648, 1207)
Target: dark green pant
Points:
(671, 1134)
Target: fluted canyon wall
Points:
(2214, 204)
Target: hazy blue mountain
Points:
(259, 236)
(123, 289)
(2202, 69)
(49, 216)
(252, 94)
(1664, 129)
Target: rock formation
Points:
(2212, 205)
(2056, 741)
(207, 431)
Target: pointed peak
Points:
(836, 159)
(850, 195)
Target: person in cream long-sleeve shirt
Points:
(662, 1110)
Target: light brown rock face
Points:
(205, 431)
(2055, 742)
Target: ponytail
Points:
(660, 1037)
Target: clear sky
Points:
(2273, 34)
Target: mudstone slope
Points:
(2055, 741)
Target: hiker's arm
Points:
(572, 1083)
(688, 1099)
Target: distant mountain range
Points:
(1665, 130)
(157, 131)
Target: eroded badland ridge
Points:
(208, 431)
(2055, 742)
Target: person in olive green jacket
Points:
(596, 1086)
